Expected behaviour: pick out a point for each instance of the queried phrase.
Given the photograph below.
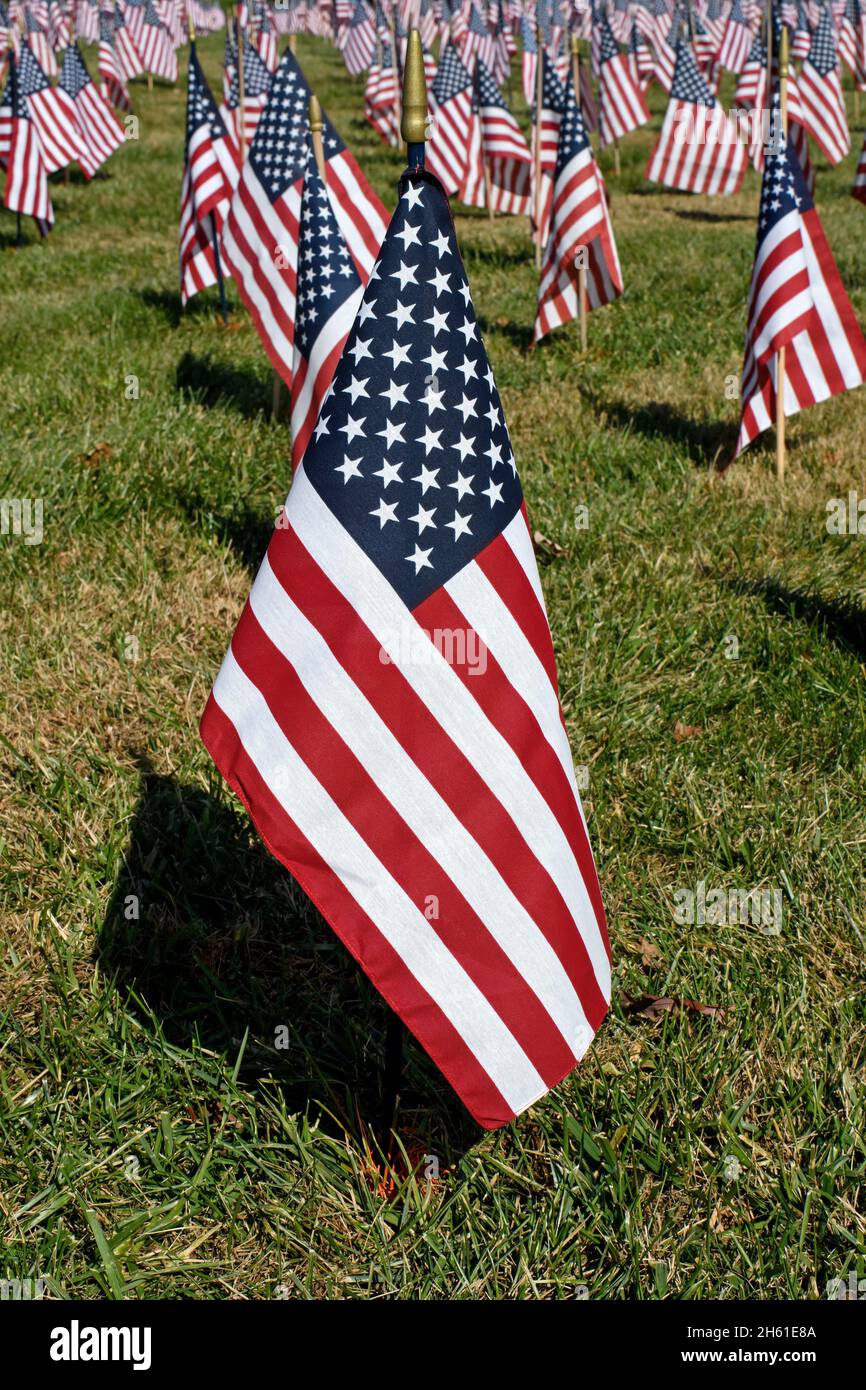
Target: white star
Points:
(402, 313)
(439, 281)
(469, 369)
(460, 525)
(494, 453)
(360, 349)
(392, 434)
(356, 388)
(436, 360)
(432, 399)
(420, 559)
(406, 275)
(350, 468)
(467, 407)
(424, 518)
(386, 511)
(443, 246)
(412, 195)
(394, 394)
(463, 446)
(430, 439)
(352, 428)
(492, 414)
(427, 478)
(389, 473)
(464, 290)
(467, 329)
(409, 236)
(437, 321)
(494, 492)
(463, 485)
(398, 354)
(366, 311)
(322, 426)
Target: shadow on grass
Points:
(245, 531)
(221, 383)
(841, 620)
(709, 443)
(226, 942)
(520, 334)
(698, 215)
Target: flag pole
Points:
(242, 133)
(413, 128)
(780, 359)
(581, 269)
(539, 88)
(316, 124)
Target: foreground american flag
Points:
(579, 223)
(388, 711)
(622, 108)
(796, 301)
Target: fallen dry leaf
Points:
(682, 731)
(654, 1006)
(650, 955)
(94, 456)
(545, 549)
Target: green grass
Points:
(156, 1142)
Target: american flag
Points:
(737, 41)
(380, 99)
(209, 176)
(665, 52)
(504, 148)
(552, 109)
(157, 52)
(260, 238)
(53, 115)
(26, 188)
(257, 83)
(39, 43)
(852, 41)
(796, 301)
(621, 104)
(388, 712)
(113, 84)
(87, 20)
(858, 189)
(821, 93)
(358, 42)
(477, 40)
(579, 223)
(329, 292)
(59, 25)
(101, 132)
(451, 120)
(529, 60)
(127, 49)
(698, 149)
(640, 58)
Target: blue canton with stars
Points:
(822, 53)
(201, 109)
(74, 76)
(326, 275)
(280, 147)
(257, 77)
(573, 139)
(688, 84)
(486, 89)
(783, 189)
(31, 78)
(411, 451)
(608, 48)
(451, 78)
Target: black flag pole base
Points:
(393, 1074)
(219, 274)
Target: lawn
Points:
(190, 1063)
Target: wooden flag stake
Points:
(581, 269)
(316, 124)
(780, 358)
(242, 133)
(539, 88)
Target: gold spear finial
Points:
(413, 126)
(315, 113)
